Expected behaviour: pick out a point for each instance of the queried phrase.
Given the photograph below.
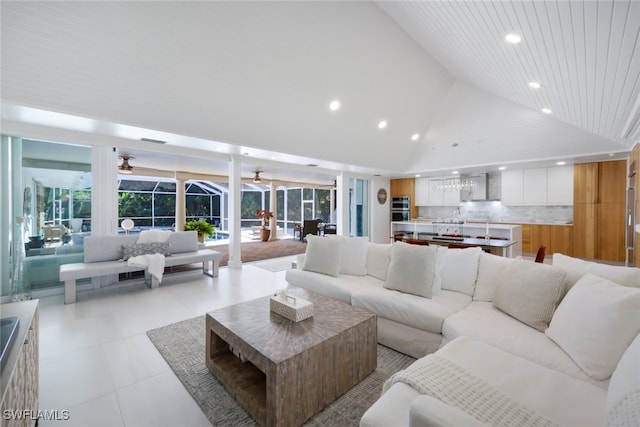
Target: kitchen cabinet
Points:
(441, 197)
(538, 186)
(422, 191)
(20, 371)
(599, 210)
(534, 186)
(405, 187)
(560, 186)
(512, 190)
(557, 238)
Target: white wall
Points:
(380, 213)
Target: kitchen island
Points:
(436, 231)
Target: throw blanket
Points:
(444, 380)
(153, 263)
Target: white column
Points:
(181, 202)
(7, 219)
(104, 199)
(235, 239)
(104, 191)
(273, 207)
(342, 204)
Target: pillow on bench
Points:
(137, 249)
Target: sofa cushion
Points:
(623, 398)
(595, 323)
(426, 314)
(153, 236)
(411, 269)
(106, 248)
(490, 270)
(530, 292)
(576, 268)
(481, 320)
(340, 287)
(459, 270)
(559, 398)
(378, 258)
(323, 255)
(183, 241)
(354, 255)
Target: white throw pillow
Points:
(623, 397)
(354, 255)
(323, 255)
(530, 292)
(576, 268)
(459, 270)
(490, 271)
(411, 269)
(378, 258)
(595, 323)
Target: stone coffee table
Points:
(292, 370)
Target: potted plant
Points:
(265, 216)
(203, 228)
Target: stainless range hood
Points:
(478, 191)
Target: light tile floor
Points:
(97, 362)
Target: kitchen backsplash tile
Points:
(497, 212)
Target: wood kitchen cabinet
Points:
(599, 210)
(20, 374)
(405, 187)
(557, 238)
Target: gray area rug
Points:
(182, 345)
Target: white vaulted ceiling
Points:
(259, 76)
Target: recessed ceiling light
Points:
(535, 85)
(513, 38)
(335, 104)
(455, 172)
(561, 163)
(415, 136)
(546, 110)
(417, 175)
(501, 168)
(382, 124)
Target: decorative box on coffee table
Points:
(293, 369)
(292, 308)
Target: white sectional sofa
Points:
(517, 344)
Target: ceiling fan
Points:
(257, 179)
(125, 167)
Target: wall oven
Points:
(400, 209)
(400, 216)
(400, 203)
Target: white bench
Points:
(102, 257)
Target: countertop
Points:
(24, 311)
(494, 226)
(491, 224)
